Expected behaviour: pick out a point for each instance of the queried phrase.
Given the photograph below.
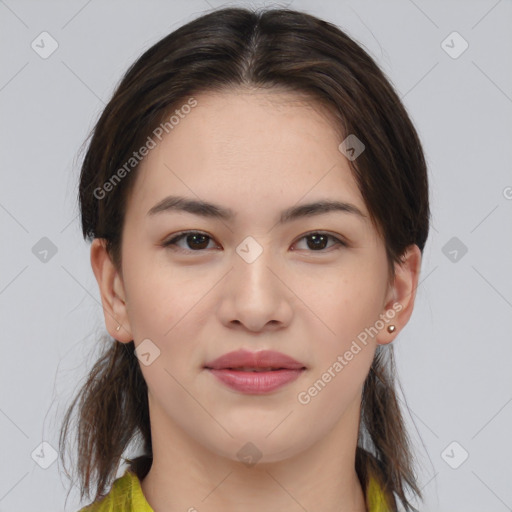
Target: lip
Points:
(255, 372)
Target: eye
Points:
(196, 241)
(319, 240)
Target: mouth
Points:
(255, 372)
(245, 360)
(249, 369)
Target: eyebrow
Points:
(209, 210)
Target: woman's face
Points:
(306, 285)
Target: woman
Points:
(257, 200)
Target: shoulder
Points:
(124, 496)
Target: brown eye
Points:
(195, 241)
(317, 241)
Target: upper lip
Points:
(248, 359)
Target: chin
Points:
(253, 446)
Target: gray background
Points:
(453, 357)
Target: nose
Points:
(255, 296)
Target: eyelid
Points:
(339, 240)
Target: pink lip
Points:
(233, 369)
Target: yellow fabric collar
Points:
(126, 496)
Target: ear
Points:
(399, 302)
(112, 292)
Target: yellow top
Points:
(126, 496)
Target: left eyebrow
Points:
(210, 210)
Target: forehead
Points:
(250, 150)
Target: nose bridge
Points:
(254, 296)
(252, 263)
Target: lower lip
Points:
(256, 383)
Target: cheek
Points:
(347, 302)
(159, 296)
(343, 356)
(166, 306)
(335, 390)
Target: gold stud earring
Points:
(391, 328)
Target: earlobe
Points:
(400, 299)
(112, 292)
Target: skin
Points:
(256, 152)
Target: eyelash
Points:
(172, 241)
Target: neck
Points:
(185, 476)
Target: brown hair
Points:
(277, 48)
